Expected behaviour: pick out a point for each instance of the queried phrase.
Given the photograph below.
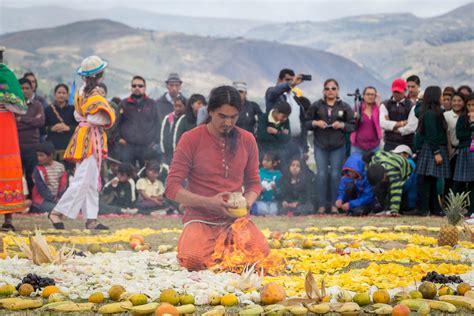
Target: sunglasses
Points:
(330, 88)
(137, 85)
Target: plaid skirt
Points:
(464, 166)
(427, 166)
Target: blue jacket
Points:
(365, 193)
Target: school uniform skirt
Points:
(464, 171)
(427, 166)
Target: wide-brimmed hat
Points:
(91, 65)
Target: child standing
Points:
(293, 192)
(273, 131)
(118, 194)
(355, 194)
(50, 179)
(464, 173)
(168, 130)
(150, 190)
(433, 160)
(269, 177)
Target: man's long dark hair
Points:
(225, 95)
(431, 101)
(92, 82)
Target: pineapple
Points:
(454, 209)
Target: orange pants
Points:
(198, 240)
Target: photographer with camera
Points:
(283, 91)
(368, 134)
(329, 118)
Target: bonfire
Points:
(232, 253)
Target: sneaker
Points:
(388, 214)
(132, 211)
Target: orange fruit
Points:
(50, 289)
(115, 292)
(166, 309)
(97, 298)
(381, 296)
(26, 289)
(138, 238)
(400, 310)
(463, 288)
(272, 293)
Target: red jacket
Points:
(41, 192)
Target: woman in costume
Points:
(11, 185)
(87, 147)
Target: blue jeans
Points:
(362, 152)
(325, 158)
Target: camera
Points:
(306, 77)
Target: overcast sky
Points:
(270, 10)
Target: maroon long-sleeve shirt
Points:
(199, 159)
(30, 123)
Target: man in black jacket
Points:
(166, 102)
(287, 81)
(138, 124)
(250, 112)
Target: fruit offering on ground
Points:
(428, 290)
(26, 289)
(186, 299)
(97, 297)
(229, 300)
(7, 290)
(455, 208)
(463, 288)
(400, 310)
(36, 281)
(272, 293)
(381, 296)
(50, 289)
(138, 299)
(115, 292)
(362, 299)
(446, 290)
(435, 277)
(169, 296)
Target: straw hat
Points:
(91, 65)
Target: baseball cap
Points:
(403, 149)
(399, 85)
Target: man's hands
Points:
(219, 203)
(296, 81)
(60, 127)
(319, 123)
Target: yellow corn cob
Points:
(216, 311)
(186, 309)
(459, 301)
(52, 305)
(382, 309)
(9, 300)
(298, 310)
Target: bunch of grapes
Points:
(435, 277)
(36, 281)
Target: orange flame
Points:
(238, 248)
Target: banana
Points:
(52, 305)
(458, 301)
(419, 305)
(322, 308)
(345, 229)
(142, 309)
(216, 311)
(186, 309)
(119, 307)
(23, 304)
(252, 310)
(441, 306)
(74, 307)
(382, 309)
(298, 310)
(9, 300)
